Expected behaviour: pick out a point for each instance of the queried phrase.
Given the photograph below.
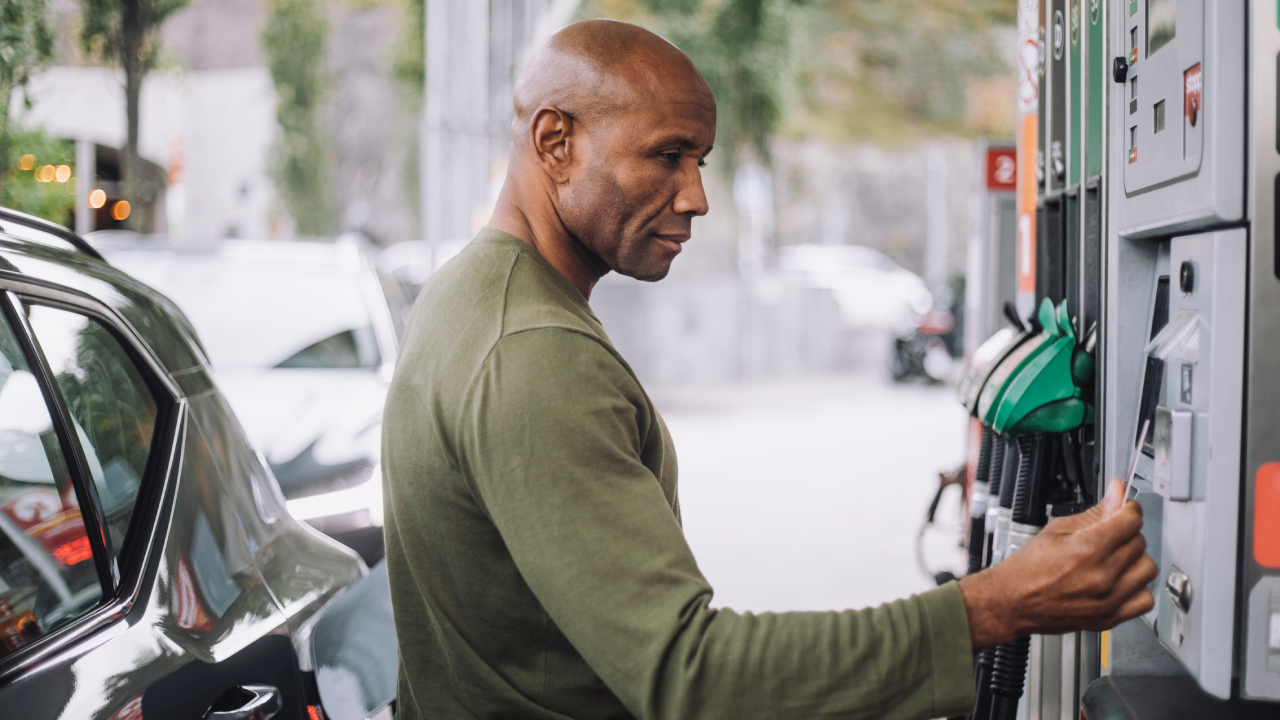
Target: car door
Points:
(130, 579)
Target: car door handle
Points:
(264, 705)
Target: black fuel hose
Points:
(995, 476)
(978, 516)
(1037, 458)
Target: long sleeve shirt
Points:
(537, 563)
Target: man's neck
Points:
(544, 230)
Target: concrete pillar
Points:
(86, 172)
(936, 218)
(474, 50)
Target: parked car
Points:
(871, 289)
(149, 566)
(302, 337)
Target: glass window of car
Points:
(111, 406)
(47, 574)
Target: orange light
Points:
(1266, 515)
(73, 552)
(26, 162)
(120, 210)
(63, 173)
(47, 173)
(97, 198)
(315, 713)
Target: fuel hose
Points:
(1038, 456)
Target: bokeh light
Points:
(63, 173)
(46, 173)
(26, 162)
(97, 198)
(120, 210)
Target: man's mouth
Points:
(673, 241)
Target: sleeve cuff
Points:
(951, 651)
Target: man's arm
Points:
(551, 443)
(1085, 572)
(552, 447)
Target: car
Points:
(871, 290)
(302, 337)
(149, 565)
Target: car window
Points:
(347, 349)
(111, 406)
(47, 574)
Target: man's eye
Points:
(702, 163)
(671, 157)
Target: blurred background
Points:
(291, 173)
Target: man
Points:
(537, 564)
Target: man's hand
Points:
(1085, 572)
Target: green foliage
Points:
(847, 70)
(409, 65)
(742, 48)
(53, 201)
(128, 31)
(26, 44)
(125, 29)
(409, 70)
(889, 69)
(296, 42)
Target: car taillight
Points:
(74, 551)
(314, 712)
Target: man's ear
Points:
(552, 133)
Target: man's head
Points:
(612, 123)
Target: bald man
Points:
(537, 563)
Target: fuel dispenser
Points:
(1158, 177)
(1029, 404)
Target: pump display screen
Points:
(1162, 24)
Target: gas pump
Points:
(1155, 131)
(1029, 404)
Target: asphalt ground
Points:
(809, 494)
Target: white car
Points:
(302, 342)
(871, 290)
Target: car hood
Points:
(314, 422)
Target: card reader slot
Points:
(1153, 378)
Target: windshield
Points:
(291, 307)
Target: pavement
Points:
(809, 494)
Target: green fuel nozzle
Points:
(1030, 406)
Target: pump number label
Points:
(1191, 87)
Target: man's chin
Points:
(651, 273)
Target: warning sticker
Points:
(1191, 87)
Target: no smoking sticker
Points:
(1191, 87)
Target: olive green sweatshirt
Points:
(538, 567)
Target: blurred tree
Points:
(296, 42)
(128, 31)
(890, 70)
(409, 70)
(52, 201)
(26, 44)
(846, 70)
(742, 48)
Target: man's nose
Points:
(691, 199)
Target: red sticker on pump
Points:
(1191, 85)
(1266, 515)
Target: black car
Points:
(149, 566)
